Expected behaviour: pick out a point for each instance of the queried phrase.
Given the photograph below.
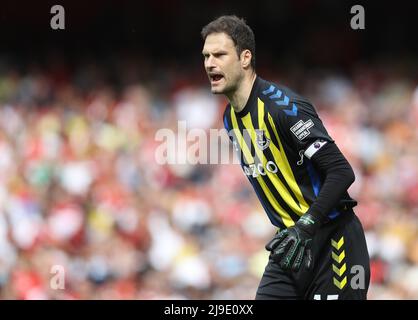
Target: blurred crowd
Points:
(80, 187)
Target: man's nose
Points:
(210, 63)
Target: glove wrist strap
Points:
(309, 223)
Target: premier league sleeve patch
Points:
(314, 147)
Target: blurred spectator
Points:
(80, 188)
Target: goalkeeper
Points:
(296, 170)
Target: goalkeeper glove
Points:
(291, 246)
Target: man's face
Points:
(222, 64)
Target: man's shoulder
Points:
(279, 97)
(272, 91)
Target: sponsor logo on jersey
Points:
(254, 170)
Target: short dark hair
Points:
(237, 29)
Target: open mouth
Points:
(215, 78)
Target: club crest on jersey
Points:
(262, 141)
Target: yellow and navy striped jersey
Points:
(275, 135)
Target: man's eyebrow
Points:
(215, 52)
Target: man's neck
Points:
(238, 99)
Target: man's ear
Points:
(246, 58)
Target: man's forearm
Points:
(339, 175)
